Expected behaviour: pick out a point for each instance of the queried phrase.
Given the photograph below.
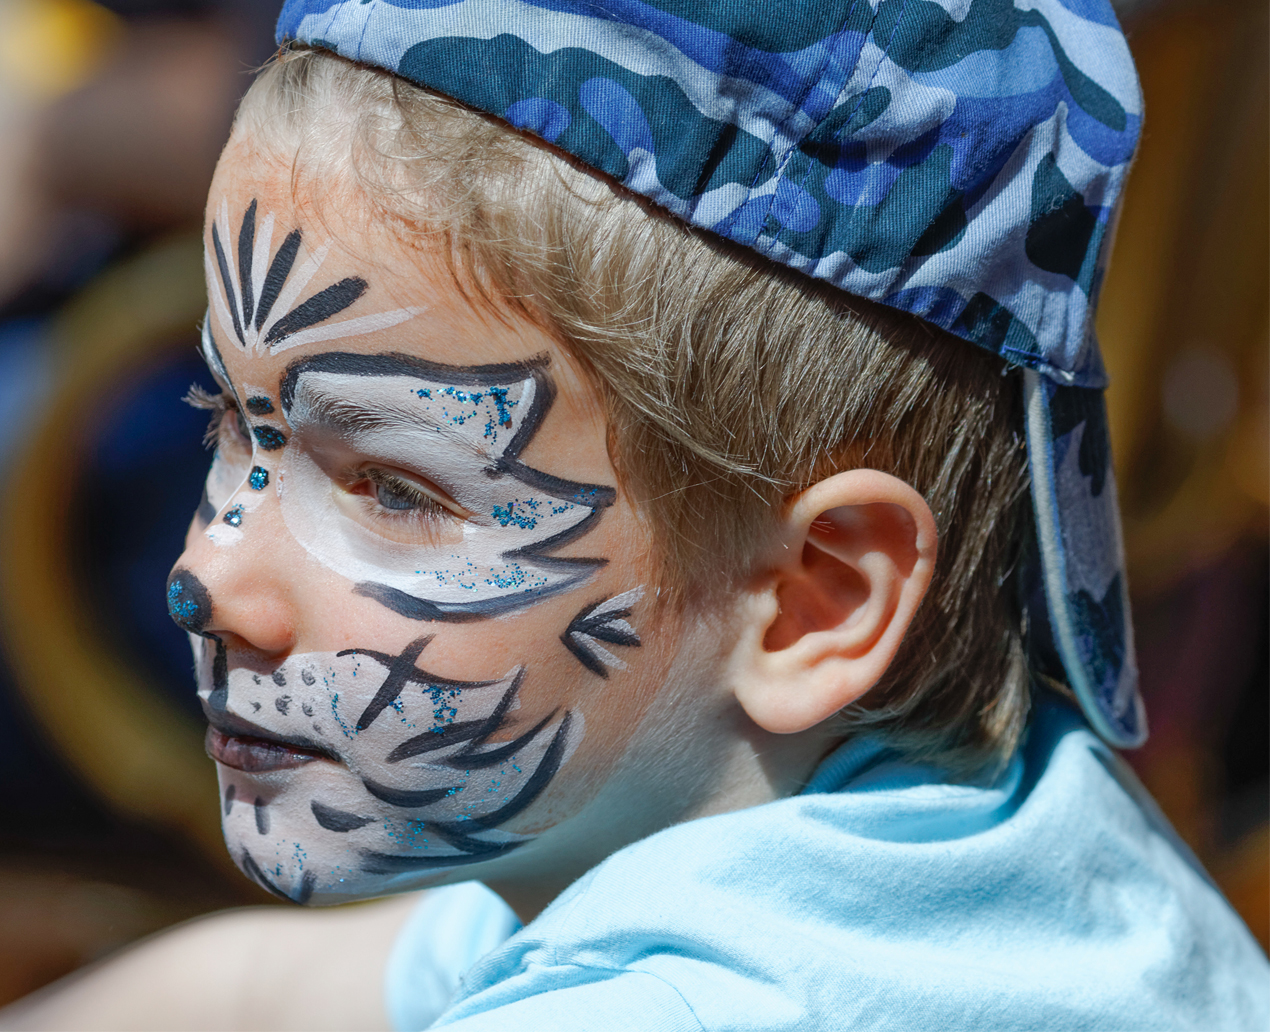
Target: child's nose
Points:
(237, 592)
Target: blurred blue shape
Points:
(26, 374)
(140, 482)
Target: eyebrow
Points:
(313, 404)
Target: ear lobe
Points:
(825, 622)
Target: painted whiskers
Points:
(431, 789)
(603, 622)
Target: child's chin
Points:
(310, 871)
(305, 834)
(294, 871)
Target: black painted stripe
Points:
(391, 863)
(337, 820)
(277, 275)
(530, 791)
(253, 871)
(405, 798)
(440, 738)
(307, 883)
(469, 760)
(320, 307)
(246, 241)
(584, 655)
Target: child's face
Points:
(423, 607)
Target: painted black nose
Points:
(189, 604)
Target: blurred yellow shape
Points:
(51, 47)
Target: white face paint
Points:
(233, 482)
(225, 478)
(429, 788)
(460, 430)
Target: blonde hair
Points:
(731, 383)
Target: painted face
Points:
(419, 603)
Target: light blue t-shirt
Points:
(882, 897)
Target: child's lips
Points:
(255, 754)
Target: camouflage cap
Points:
(961, 160)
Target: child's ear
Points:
(823, 622)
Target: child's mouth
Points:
(255, 755)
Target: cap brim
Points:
(1082, 554)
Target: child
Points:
(627, 521)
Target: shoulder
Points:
(1053, 896)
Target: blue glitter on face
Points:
(234, 517)
(181, 606)
(259, 478)
(349, 732)
(259, 405)
(525, 520)
(499, 397)
(477, 405)
(444, 711)
(464, 396)
(513, 578)
(269, 438)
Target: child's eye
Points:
(393, 497)
(400, 496)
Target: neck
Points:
(754, 768)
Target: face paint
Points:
(430, 789)
(225, 475)
(229, 463)
(461, 429)
(233, 455)
(223, 479)
(189, 604)
(359, 752)
(270, 438)
(256, 295)
(603, 621)
(211, 353)
(206, 512)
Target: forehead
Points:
(313, 266)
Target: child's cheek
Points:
(391, 772)
(440, 746)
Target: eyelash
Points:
(422, 506)
(220, 406)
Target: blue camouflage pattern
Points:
(1084, 594)
(961, 160)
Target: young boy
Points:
(609, 506)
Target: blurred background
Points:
(111, 117)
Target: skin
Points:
(715, 710)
